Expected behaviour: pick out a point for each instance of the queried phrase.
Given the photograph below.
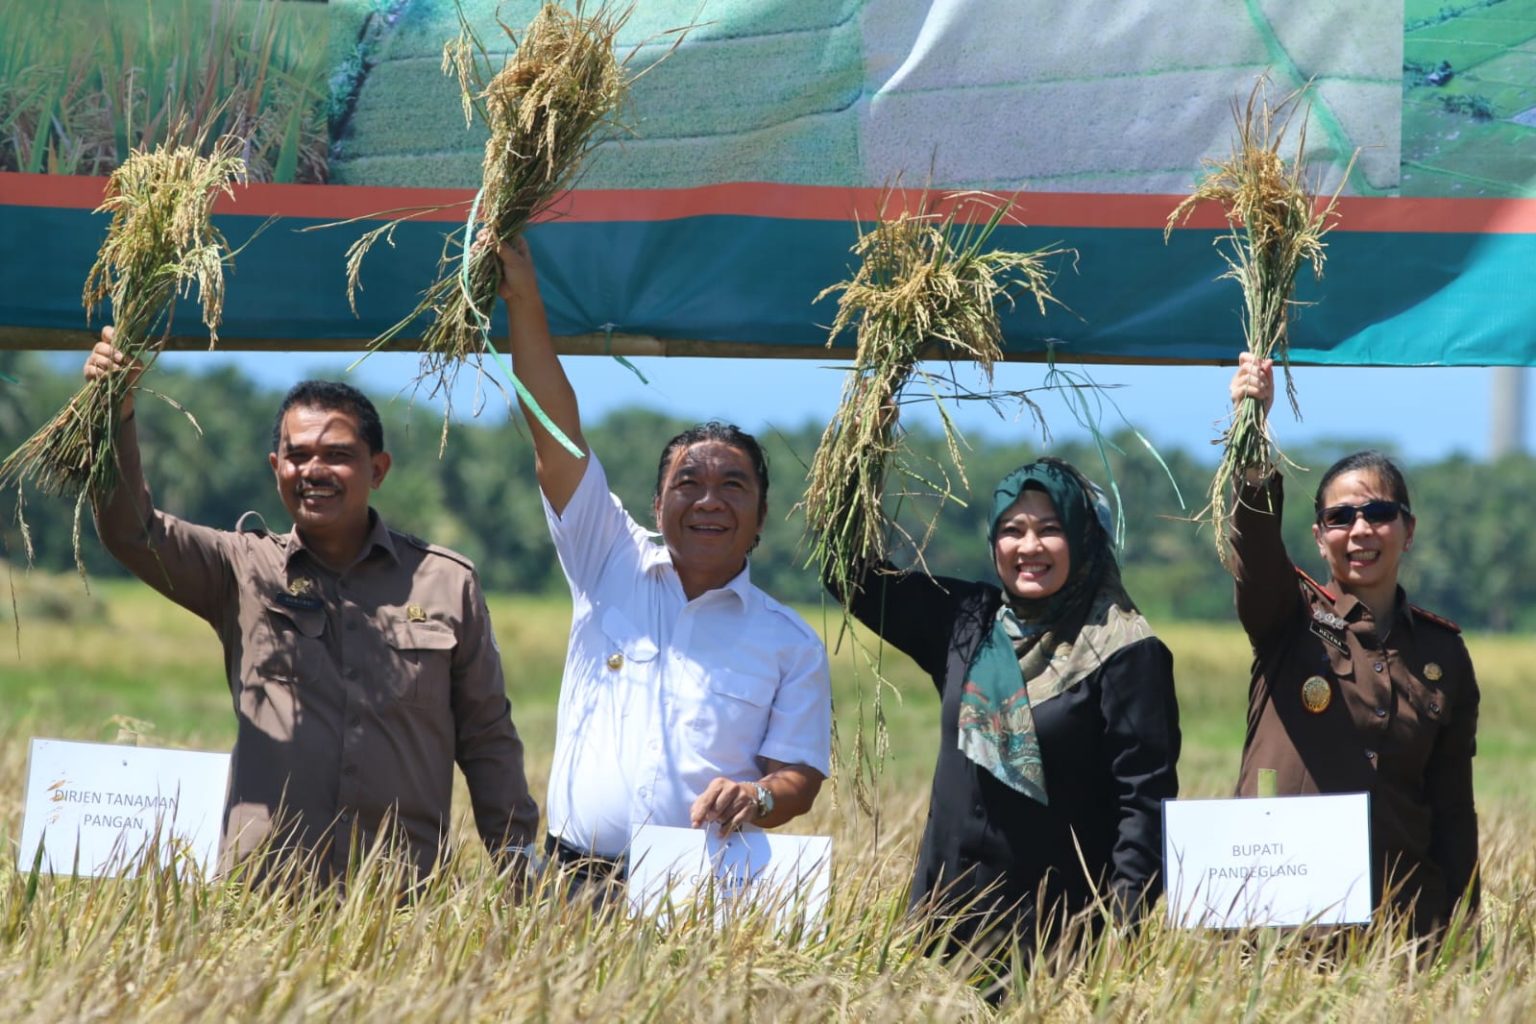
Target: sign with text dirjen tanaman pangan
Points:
(97, 809)
(1274, 861)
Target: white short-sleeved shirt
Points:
(661, 695)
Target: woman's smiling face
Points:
(1363, 557)
(1030, 548)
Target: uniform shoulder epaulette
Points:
(243, 524)
(434, 549)
(1309, 581)
(1438, 620)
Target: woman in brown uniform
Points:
(1354, 689)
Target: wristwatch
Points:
(764, 800)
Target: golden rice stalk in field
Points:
(1277, 224)
(161, 244)
(927, 286)
(545, 110)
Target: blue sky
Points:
(1428, 412)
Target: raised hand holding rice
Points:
(545, 110)
(927, 286)
(1277, 224)
(161, 244)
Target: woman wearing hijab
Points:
(1058, 724)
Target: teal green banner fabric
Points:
(749, 152)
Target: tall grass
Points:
(168, 948)
(471, 944)
(83, 83)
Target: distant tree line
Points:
(1468, 562)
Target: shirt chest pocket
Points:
(731, 716)
(1432, 705)
(624, 642)
(285, 644)
(421, 656)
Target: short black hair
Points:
(724, 433)
(336, 396)
(1368, 460)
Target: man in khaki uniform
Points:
(360, 660)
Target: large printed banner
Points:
(730, 201)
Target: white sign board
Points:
(787, 876)
(1273, 861)
(95, 808)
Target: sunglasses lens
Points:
(1339, 517)
(1379, 512)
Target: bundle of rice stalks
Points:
(927, 286)
(544, 108)
(1277, 225)
(160, 244)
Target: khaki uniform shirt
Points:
(354, 692)
(1339, 703)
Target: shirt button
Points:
(1381, 712)
(1378, 666)
(1370, 755)
(1434, 708)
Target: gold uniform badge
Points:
(300, 586)
(1316, 695)
(415, 613)
(615, 661)
(1432, 672)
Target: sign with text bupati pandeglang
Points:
(96, 809)
(1274, 861)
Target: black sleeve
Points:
(912, 611)
(1141, 724)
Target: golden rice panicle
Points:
(1276, 225)
(161, 243)
(927, 285)
(546, 108)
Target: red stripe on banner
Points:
(787, 202)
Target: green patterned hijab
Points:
(1039, 648)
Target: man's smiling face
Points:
(325, 471)
(710, 512)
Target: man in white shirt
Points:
(689, 697)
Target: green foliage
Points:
(480, 497)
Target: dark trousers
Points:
(599, 878)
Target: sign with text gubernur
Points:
(95, 809)
(1274, 861)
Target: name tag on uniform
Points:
(1327, 636)
(1289, 860)
(1328, 627)
(300, 602)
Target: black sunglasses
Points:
(1342, 517)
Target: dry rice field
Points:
(165, 948)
